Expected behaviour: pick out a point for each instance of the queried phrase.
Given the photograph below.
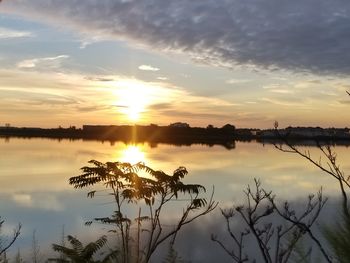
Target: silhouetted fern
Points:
(78, 253)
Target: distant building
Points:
(307, 132)
(255, 132)
(179, 125)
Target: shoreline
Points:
(153, 134)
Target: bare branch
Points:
(332, 168)
(16, 233)
(258, 217)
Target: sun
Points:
(132, 98)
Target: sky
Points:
(248, 63)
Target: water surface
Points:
(34, 187)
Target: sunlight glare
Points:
(133, 154)
(133, 98)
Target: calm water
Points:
(34, 187)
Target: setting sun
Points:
(132, 98)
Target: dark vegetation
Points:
(183, 134)
(149, 196)
(152, 134)
(79, 253)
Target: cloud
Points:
(90, 40)
(29, 97)
(94, 108)
(101, 79)
(39, 201)
(344, 101)
(148, 68)
(283, 102)
(23, 199)
(66, 98)
(301, 35)
(48, 61)
(6, 33)
(282, 91)
(277, 88)
(237, 81)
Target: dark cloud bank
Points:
(299, 35)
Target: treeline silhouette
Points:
(184, 134)
(152, 134)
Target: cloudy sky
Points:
(74, 62)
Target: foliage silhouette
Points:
(154, 192)
(78, 253)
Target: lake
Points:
(34, 185)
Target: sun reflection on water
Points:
(132, 154)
